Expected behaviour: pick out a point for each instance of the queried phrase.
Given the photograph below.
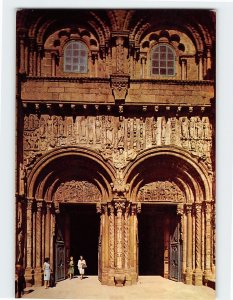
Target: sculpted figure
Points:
(184, 128)
(198, 127)
(55, 125)
(192, 128)
(42, 128)
(49, 126)
(61, 126)
(163, 131)
(154, 128)
(206, 129)
(97, 130)
(31, 122)
(20, 246)
(90, 130)
(83, 124)
(120, 136)
(109, 131)
(26, 123)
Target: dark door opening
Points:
(153, 233)
(82, 233)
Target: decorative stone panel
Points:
(161, 191)
(77, 192)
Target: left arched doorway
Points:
(64, 189)
(79, 226)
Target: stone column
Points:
(198, 238)
(135, 209)
(53, 65)
(26, 59)
(126, 237)
(200, 66)
(39, 56)
(38, 269)
(31, 51)
(208, 59)
(183, 69)
(111, 237)
(188, 277)
(180, 213)
(47, 229)
(213, 223)
(28, 271)
(43, 212)
(119, 251)
(35, 62)
(143, 72)
(207, 272)
(52, 234)
(104, 236)
(22, 56)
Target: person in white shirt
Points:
(81, 266)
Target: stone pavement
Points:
(148, 287)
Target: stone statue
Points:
(97, 130)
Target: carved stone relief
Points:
(161, 191)
(118, 139)
(77, 191)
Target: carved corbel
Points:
(120, 86)
(119, 189)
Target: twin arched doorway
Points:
(151, 215)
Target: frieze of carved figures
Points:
(161, 191)
(77, 191)
(118, 139)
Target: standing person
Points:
(47, 271)
(81, 266)
(71, 268)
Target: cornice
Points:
(107, 80)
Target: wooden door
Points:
(175, 251)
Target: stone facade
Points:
(117, 136)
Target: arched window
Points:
(75, 57)
(163, 61)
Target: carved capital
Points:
(111, 208)
(48, 206)
(98, 208)
(39, 205)
(119, 206)
(198, 207)
(119, 85)
(136, 208)
(208, 207)
(180, 209)
(189, 208)
(29, 203)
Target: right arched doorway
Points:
(160, 246)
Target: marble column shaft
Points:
(29, 233)
(38, 234)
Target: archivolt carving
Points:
(161, 191)
(77, 191)
(118, 139)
